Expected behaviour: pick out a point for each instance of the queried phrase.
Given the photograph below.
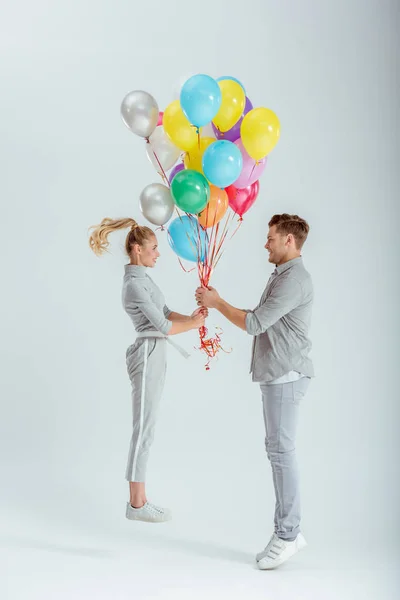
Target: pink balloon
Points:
(160, 118)
(251, 170)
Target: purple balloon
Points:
(175, 170)
(251, 170)
(233, 134)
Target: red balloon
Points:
(241, 200)
(160, 119)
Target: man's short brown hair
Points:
(293, 224)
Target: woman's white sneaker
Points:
(149, 513)
(279, 551)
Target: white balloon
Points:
(161, 148)
(156, 203)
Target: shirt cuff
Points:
(251, 324)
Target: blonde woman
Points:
(146, 358)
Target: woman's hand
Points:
(197, 320)
(202, 309)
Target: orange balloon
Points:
(215, 209)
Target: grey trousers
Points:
(281, 411)
(146, 363)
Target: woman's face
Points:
(147, 254)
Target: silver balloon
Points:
(139, 112)
(156, 203)
(161, 148)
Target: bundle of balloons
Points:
(210, 147)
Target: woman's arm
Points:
(177, 317)
(182, 323)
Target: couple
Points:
(280, 362)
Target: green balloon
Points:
(190, 190)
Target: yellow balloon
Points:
(260, 132)
(232, 104)
(178, 128)
(194, 157)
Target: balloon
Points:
(222, 163)
(139, 112)
(241, 200)
(194, 158)
(200, 99)
(251, 171)
(232, 105)
(160, 118)
(178, 128)
(233, 134)
(260, 131)
(174, 171)
(161, 146)
(187, 239)
(190, 190)
(215, 209)
(232, 79)
(156, 203)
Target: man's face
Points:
(277, 246)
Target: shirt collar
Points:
(135, 270)
(282, 268)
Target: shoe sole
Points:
(148, 520)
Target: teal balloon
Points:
(200, 99)
(190, 191)
(222, 163)
(232, 79)
(188, 239)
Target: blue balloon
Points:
(200, 99)
(187, 238)
(222, 163)
(232, 79)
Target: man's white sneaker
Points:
(279, 551)
(148, 512)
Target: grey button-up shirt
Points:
(280, 324)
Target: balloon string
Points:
(211, 346)
(207, 259)
(161, 172)
(252, 171)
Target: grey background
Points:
(330, 71)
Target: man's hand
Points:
(207, 297)
(203, 310)
(210, 298)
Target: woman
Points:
(146, 358)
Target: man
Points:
(280, 364)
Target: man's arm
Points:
(210, 298)
(285, 296)
(234, 315)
